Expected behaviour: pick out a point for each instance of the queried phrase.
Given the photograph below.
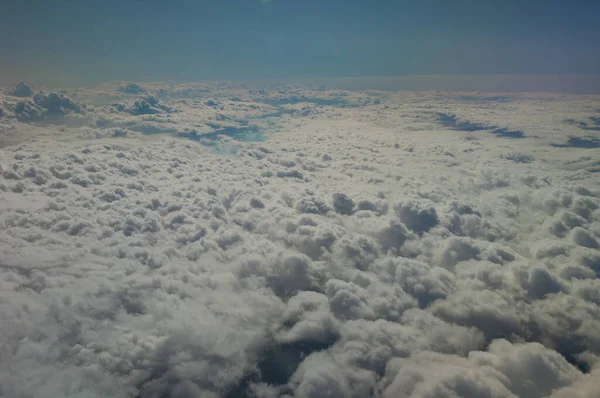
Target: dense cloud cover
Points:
(360, 249)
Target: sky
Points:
(88, 41)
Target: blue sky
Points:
(91, 40)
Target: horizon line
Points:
(497, 82)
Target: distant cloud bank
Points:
(486, 83)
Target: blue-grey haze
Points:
(88, 41)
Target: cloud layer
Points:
(356, 248)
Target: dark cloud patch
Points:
(417, 216)
(592, 125)
(507, 133)
(451, 120)
(143, 107)
(279, 362)
(119, 107)
(541, 283)
(343, 204)
(580, 142)
(147, 105)
(287, 97)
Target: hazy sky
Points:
(90, 40)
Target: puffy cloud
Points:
(585, 387)
(146, 105)
(505, 370)
(132, 88)
(46, 105)
(425, 283)
(307, 319)
(311, 205)
(21, 90)
(29, 111)
(56, 103)
(393, 235)
(583, 237)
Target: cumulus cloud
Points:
(132, 88)
(146, 105)
(56, 103)
(46, 105)
(343, 204)
(417, 216)
(21, 90)
(357, 250)
(29, 111)
(504, 370)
